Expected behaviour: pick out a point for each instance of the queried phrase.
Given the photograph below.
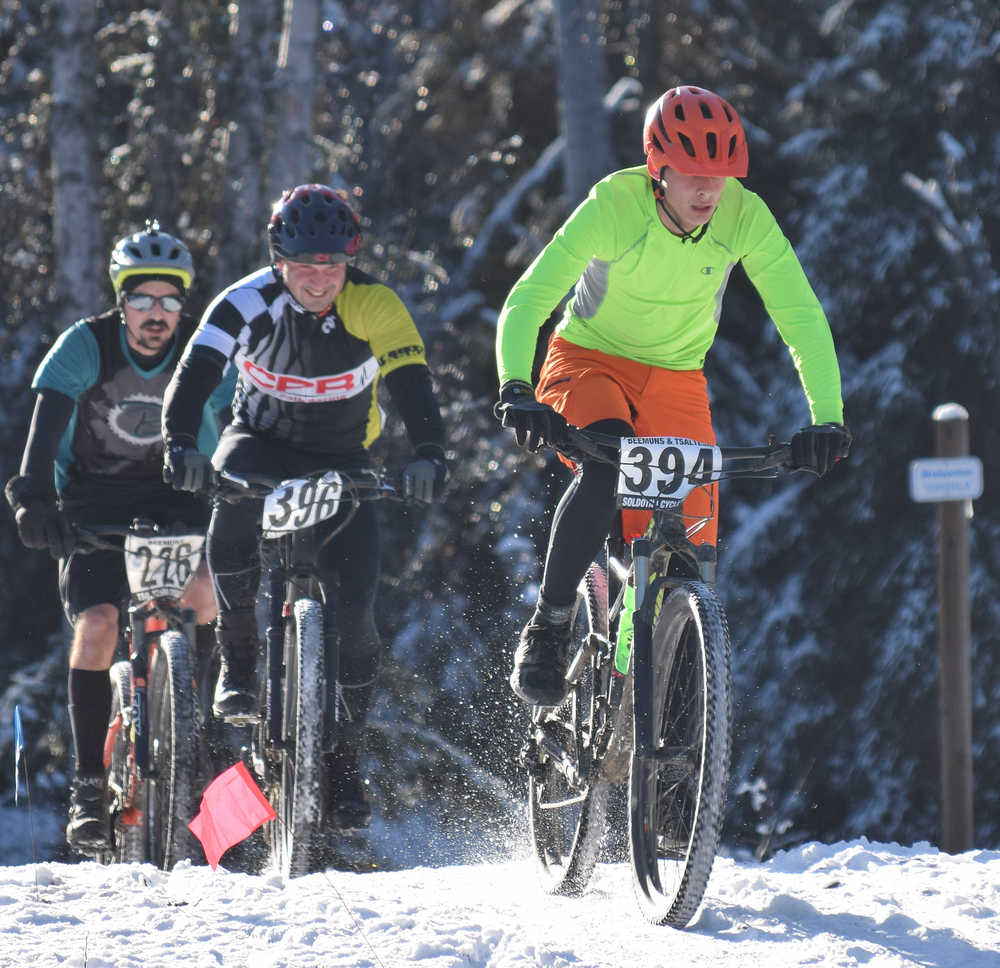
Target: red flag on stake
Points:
(232, 808)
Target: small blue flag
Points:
(18, 750)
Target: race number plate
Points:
(161, 566)
(301, 503)
(659, 472)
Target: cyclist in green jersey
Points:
(648, 255)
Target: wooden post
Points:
(951, 432)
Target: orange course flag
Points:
(232, 808)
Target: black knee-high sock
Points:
(89, 711)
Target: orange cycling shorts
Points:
(587, 385)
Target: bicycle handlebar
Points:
(94, 537)
(762, 461)
(365, 484)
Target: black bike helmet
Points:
(151, 253)
(313, 223)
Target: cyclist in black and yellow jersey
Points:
(311, 336)
(648, 254)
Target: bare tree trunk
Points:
(295, 85)
(171, 118)
(76, 215)
(243, 210)
(582, 86)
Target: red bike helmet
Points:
(694, 132)
(313, 223)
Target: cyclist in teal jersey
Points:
(648, 255)
(94, 454)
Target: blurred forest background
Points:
(465, 133)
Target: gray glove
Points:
(424, 478)
(187, 468)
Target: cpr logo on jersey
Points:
(299, 388)
(136, 419)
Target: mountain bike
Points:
(650, 686)
(152, 749)
(298, 723)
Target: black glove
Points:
(40, 521)
(187, 468)
(425, 477)
(533, 423)
(819, 447)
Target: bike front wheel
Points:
(677, 793)
(173, 753)
(567, 797)
(295, 792)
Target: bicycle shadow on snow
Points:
(787, 919)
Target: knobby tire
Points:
(173, 752)
(677, 800)
(296, 796)
(567, 816)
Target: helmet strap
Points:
(685, 236)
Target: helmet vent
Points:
(154, 247)
(687, 145)
(710, 143)
(706, 111)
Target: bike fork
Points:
(642, 651)
(139, 660)
(274, 642)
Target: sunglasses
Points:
(144, 302)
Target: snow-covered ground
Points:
(847, 904)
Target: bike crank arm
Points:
(561, 760)
(590, 647)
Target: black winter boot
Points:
(541, 658)
(239, 647)
(88, 830)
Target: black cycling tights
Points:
(581, 522)
(348, 564)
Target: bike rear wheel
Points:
(567, 798)
(173, 754)
(127, 794)
(295, 791)
(677, 797)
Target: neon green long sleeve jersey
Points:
(642, 293)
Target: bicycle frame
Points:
(666, 730)
(147, 622)
(159, 565)
(286, 750)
